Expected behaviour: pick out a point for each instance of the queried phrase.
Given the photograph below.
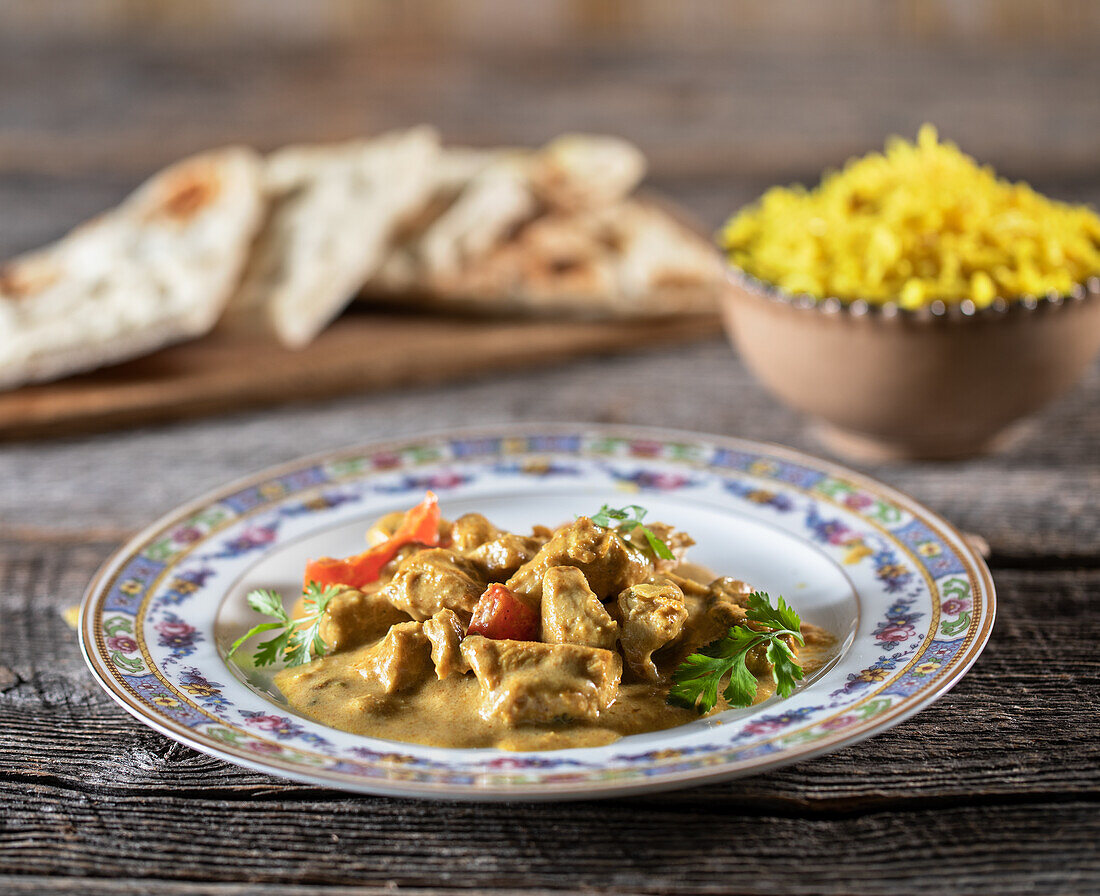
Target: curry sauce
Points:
(446, 712)
(486, 638)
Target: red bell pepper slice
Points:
(500, 614)
(420, 526)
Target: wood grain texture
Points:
(1012, 748)
(1003, 707)
(995, 789)
(1036, 500)
(82, 121)
(1007, 23)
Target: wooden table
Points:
(994, 789)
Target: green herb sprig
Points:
(299, 640)
(625, 520)
(696, 680)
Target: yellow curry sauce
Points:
(405, 662)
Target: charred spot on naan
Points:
(26, 278)
(186, 193)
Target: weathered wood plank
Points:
(988, 765)
(33, 885)
(1005, 733)
(100, 106)
(1035, 500)
(1063, 23)
(1014, 744)
(994, 789)
(474, 848)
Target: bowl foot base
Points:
(872, 449)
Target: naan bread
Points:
(335, 211)
(625, 260)
(155, 270)
(470, 219)
(581, 171)
(481, 198)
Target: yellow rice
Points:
(918, 223)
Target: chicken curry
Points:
(461, 634)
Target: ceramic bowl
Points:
(943, 382)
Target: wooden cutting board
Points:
(362, 351)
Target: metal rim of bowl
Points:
(1000, 307)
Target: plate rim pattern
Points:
(392, 772)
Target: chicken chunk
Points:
(729, 598)
(730, 592)
(357, 617)
(722, 607)
(399, 661)
(571, 612)
(676, 541)
(693, 590)
(500, 557)
(525, 682)
(471, 530)
(651, 617)
(432, 580)
(444, 631)
(608, 563)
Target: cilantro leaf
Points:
(252, 632)
(785, 668)
(625, 520)
(658, 547)
(299, 640)
(268, 602)
(268, 651)
(696, 680)
(780, 617)
(604, 516)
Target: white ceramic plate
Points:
(910, 602)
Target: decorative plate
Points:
(909, 601)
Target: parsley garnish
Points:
(696, 680)
(300, 639)
(626, 519)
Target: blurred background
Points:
(724, 98)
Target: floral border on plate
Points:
(140, 598)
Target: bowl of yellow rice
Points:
(914, 302)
